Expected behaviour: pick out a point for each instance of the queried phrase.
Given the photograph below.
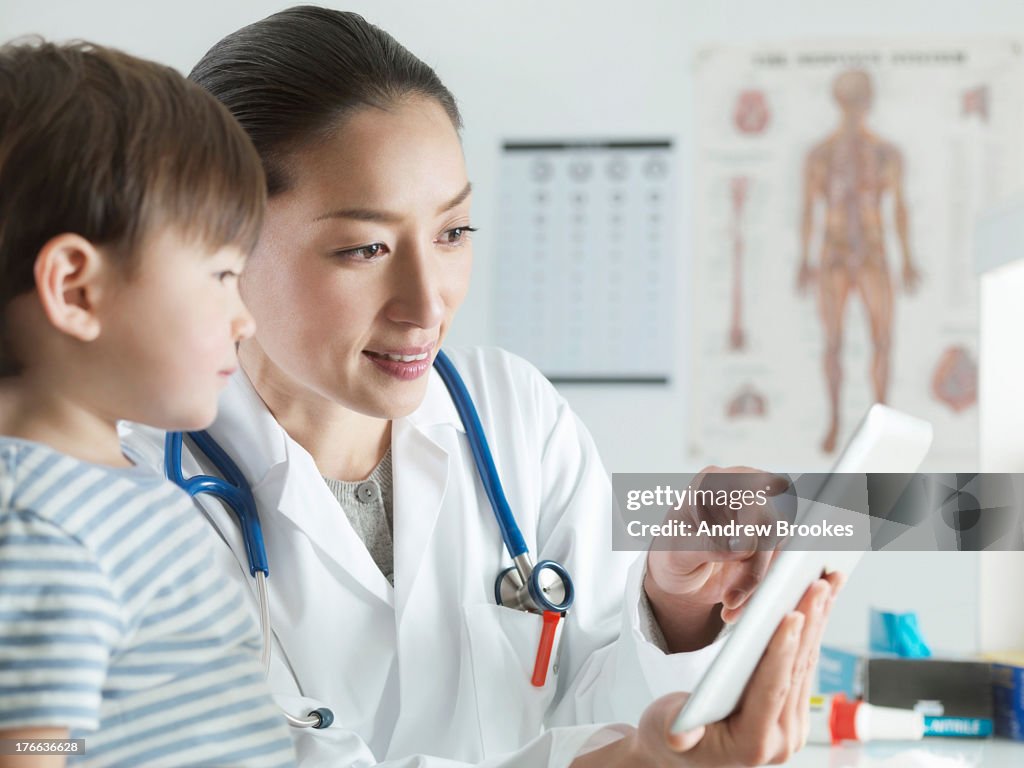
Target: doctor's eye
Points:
(363, 252)
(226, 275)
(456, 235)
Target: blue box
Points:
(1008, 700)
(841, 671)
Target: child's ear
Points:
(70, 274)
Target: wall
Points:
(533, 68)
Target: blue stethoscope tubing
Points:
(233, 490)
(529, 574)
(524, 585)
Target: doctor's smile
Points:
(407, 363)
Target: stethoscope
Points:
(544, 587)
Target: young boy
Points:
(128, 201)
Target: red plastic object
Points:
(843, 719)
(547, 642)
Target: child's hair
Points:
(111, 147)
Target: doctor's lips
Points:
(405, 363)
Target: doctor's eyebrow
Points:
(457, 199)
(369, 214)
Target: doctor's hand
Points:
(771, 722)
(697, 583)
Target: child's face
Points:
(171, 332)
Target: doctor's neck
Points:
(345, 444)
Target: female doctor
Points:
(381, 543)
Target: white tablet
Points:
(885, 441)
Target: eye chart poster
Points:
(584, 259)
(836, 190)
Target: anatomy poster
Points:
(836, 190)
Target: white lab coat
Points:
(432, 672)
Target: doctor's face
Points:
(362, 263)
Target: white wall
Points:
(999, 244)
(1001, 374)
(536, 68)
(540, 68)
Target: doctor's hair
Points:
(294, 77)
(113, 148)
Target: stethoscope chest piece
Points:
(508, 588)
(547, 586)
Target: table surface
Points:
(929, 753)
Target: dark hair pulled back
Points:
(296, 75)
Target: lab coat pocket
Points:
(503, 648)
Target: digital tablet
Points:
(886, 441)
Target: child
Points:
(129, 199)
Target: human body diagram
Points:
(852, 172)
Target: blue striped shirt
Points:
(115, 624)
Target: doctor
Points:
(381, 544)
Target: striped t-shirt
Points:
(115, 623)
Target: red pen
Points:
(547, 642)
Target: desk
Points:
(929, 753)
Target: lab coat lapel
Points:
(288, 486)
(305, 500)
(422, 473)
(247, 430)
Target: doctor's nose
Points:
(243, 326)
(418, 289)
